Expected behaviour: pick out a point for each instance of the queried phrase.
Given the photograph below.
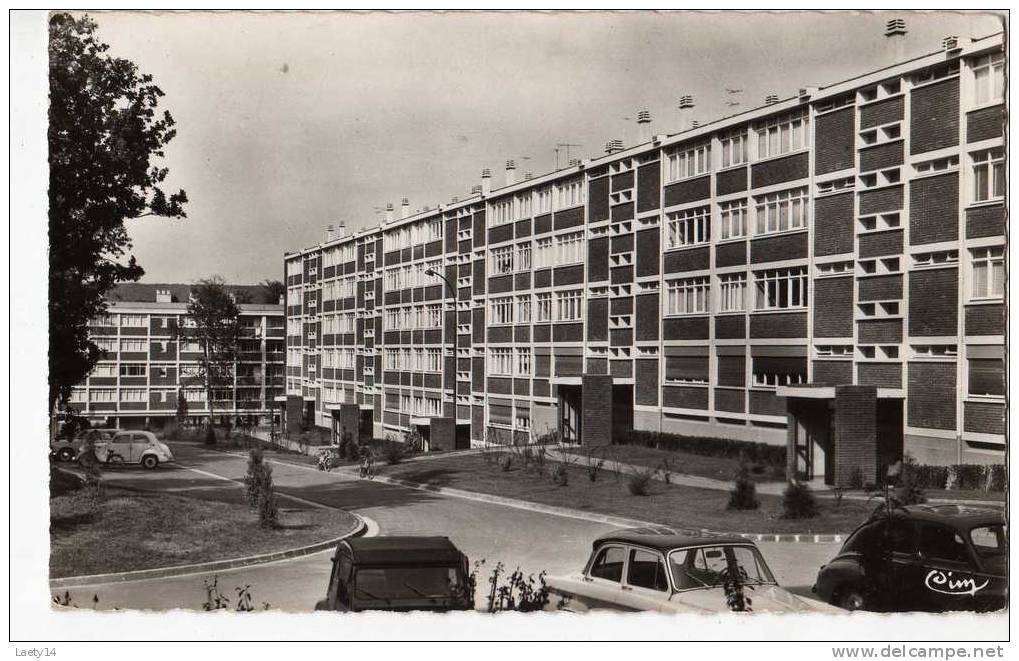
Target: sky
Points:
(289, 122)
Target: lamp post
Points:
(452, 292)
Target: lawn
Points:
(673, 505)
(132, 530)
(717, 468)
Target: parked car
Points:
(134, 447)
(397, 574)
(658, 569)
(921, 558)
(67, 450)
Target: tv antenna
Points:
(563, 146)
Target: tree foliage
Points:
(104, 134)
(275, 288)
(212, 321)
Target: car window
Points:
(609, 564)
(384, 583)
(646, 570)
(900, 534)
(706, 565)
(866, 539)
(941, 543)
(988, 540)
(750, 561)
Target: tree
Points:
(212, 321)
(104, 135)
(182, 408)
(275, 288)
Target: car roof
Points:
(957, 515)
(403, 550)
(665, 539)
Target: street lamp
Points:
(452, 291)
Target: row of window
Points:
(509, 362)
(415, 234)
(338, 358)
(775, 289)
(413, 360)
(562, 195)
(421, 405)
(343, 288)
(333, 324)
(418, 316)
(776, 212)
(412, 275)
(568, 306)
(338, 255)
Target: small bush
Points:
(560, 475)
(798, 502)
(759, 453)
(909, 490)
(393, 454)
(856, 478)
(744, 492)
(268, 512)
(210, 435)
(638, 483)
(594, 467)
(505, 461)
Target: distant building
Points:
(135, 385)
(825, 271)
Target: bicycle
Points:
(368, 466)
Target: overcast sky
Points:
(290, 122)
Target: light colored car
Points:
(134, 447)
(658, 569)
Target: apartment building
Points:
(136, 383)
(825, 271)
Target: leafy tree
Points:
(275, 288)
(182, 408)
(104, 134)
(212, 320)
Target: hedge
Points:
(958, 477)
(758, 453)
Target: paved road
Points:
(515, 537)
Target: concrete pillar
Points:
(442, 434)
(855, 431)
(348, 419)
(294, 414)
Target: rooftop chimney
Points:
(476, 189)
(643, 126)
(163, 296)
(389, 212)
(404, 208)
(895, 32)
(486, 181)
(771, 99)
(454, 200)
(575, 162)
(954, 42)
(685, 112)
(612, 146)
(694, 123)
(511, 173)
(528, 176)
(330, 233)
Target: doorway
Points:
(569, 413)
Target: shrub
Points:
(210, 435)
(909, 490)
(268, 513)
(798, 502)
(638, 483)
(253, 478)
(505, 461)
(744, 492)
(768, 455)
(560, 475)
(393, 454)
(594, 466)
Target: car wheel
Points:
(850, 598)
(149, 461)
(65, 454)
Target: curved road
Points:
(531, 540)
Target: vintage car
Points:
(658, 569)
(921, 558)
(67, 450)
(133, 447)
(397, 574)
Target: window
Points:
(132, 320)
(732, 292)
(106, 344)
(501, 310)
(989, 78)
(782, 211)
(733, 217)
(779, 370)
(434, 232)
(102, 320)
(646, 570)
(500, 362)
(502, 260)
(781, 289)
(523, 309)
(688, 296)
(989, 541)
(132, 370)
(104, 370)
(501, 212)
(833, 351)
(523, 201)
(935, 350)
(102, 395)
(608, 565)
(433, 315)
(734, 148)
(133, 394)
(524, 257)
(569, 306)
(688, 228)
(987, 377)
(936, 258)
(569, 193)
(988, 175)
(138, 346)
(543, 305)
(686, 369)
(570, 248)
(543, 200)
(937, 165)
(543, 253)
(690, 162)
(782, 135)
(988, 272)
(942, 543)
(523, 366)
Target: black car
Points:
(398, 574)
(921, 558)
